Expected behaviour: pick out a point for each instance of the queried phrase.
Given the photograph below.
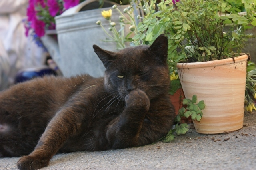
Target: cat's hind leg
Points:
(4, 129)
(15, 138)
(9, 141)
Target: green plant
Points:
(199, 30)
(115, 35)
(174, 83)
(235, 6)
(250, 91)
(190, 109)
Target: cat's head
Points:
(139, 67)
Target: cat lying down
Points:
(128, 107)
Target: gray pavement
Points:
(234, 151)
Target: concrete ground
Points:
(234, 151)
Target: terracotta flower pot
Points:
(176, 99)
(221, 84)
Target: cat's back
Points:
(43, 92)
(49, 84)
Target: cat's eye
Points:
(120, 77)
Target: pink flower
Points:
(27, 28)
(40, 2)
(31, 12)
(52, 26)
(53, 7)
(38, 26)
(70, 3)
(31, 2)
(174, 1)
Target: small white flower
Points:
(98, 22)
(121, 18)
(125, 10)
(132, 28)
(112, 24)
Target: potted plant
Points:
(202, 33)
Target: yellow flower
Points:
(250, 107)
(107, 14)
(174, 77)
(254, 96)
(253, 106)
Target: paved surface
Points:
(234, 151)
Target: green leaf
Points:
(174, 86)
(191, 107)
(196, 109)
(254, 22)
(186, 101)
(194, 99)
(184, 14)
(187, 114)
(223, 17)
(177, 36)
(182, 110)
(250, 66)
(181, 129)
(235, 35)
(169, 137)
(177, 27)
(149, 37)
(201, 105)
(212, 48)
(227, 21)
(186, 27)
(177, 23)
(178, 118)
(198, 118)
(193, 115)
(184, 125)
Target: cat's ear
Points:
(105, 56)
(160, 48)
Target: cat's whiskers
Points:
(119, 97)
(105, 96)
(108, 104)
(114, 99)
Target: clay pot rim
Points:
(212, 63)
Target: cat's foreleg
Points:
(124, 131)
(63, 125)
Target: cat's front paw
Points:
(31, 163)
(137, 98)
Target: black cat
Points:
(129, 107)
